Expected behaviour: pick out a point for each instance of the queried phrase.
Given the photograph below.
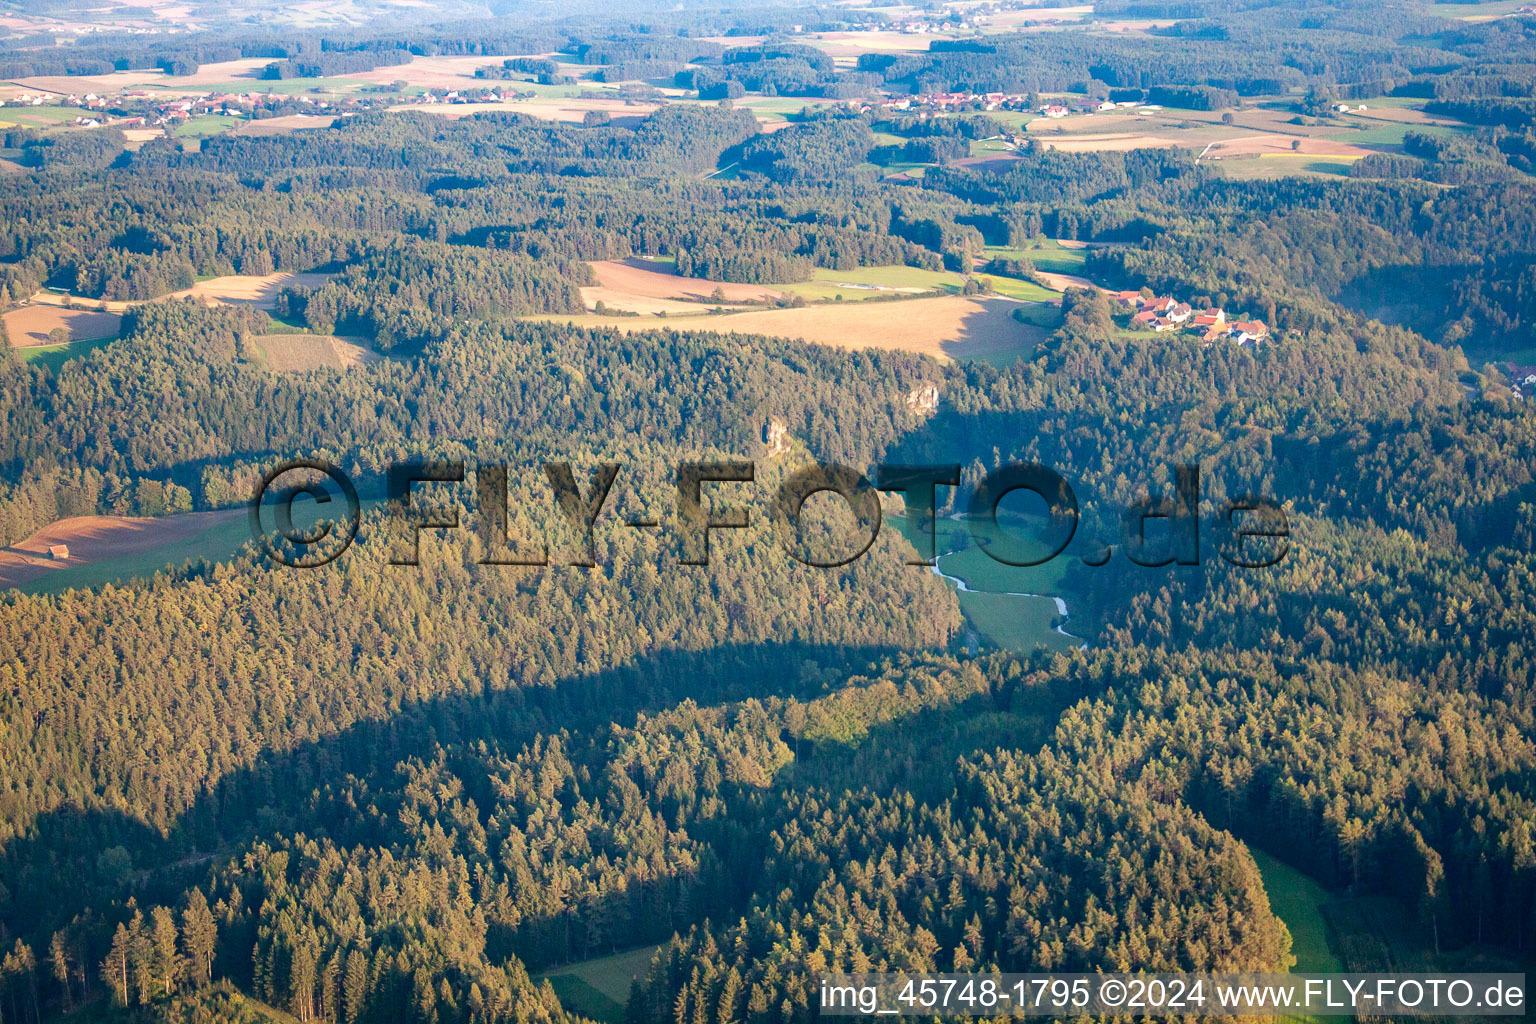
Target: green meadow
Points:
(599, 988)
(51, 357)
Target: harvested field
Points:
(656, 280)
(296, 353)
(1255, 145)
(208, 74)
(951, 327)
(29, 325)
(248, 289)
(991, 163)
(1403, 115)
(439, 73)
(60, 299)
(138, 136)
(1260, 119)
(98, 538)
(11, 167)
(627, 302)
(1283, 165)
(549, 108)
(1116, 142)
(1061, 282)
(267, 126)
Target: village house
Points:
(1164, 314)
(1522, 381)
(1250, 331)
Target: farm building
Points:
(58, 552)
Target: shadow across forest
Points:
(75, 858)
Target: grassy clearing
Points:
(871, 282)
(1389, 134)
(894, 277)
(1283, 165)
(989, 147)
(600, 988)
(1298, 900)
(206, 124)
(1045, 315)
(1015, 623)
(1024, 291)
(1048, 255)
(992, 605)
(44, 115)
(51, 357)
(963, 557)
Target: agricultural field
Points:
(873, 283)
(640, 285)
(267, 126)
(51, 357)
(41, 117)
(205, 125)
(1276, 145)
(29, 326)
(948, 328)
(249, 289)
(105, 548)
(545, 107)
(1283, 165)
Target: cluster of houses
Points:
(1522, 382)
(949, 101)
(958, 101)
(1162, 314)
(470, 96)
(89, 101)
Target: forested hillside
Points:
(372, 793)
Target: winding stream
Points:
(1061, 606)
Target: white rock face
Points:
(776, 437)
(924, 400)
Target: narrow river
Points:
(1061, 606)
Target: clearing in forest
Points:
(295, 353)
(249, 289)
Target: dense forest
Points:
(378, 794)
